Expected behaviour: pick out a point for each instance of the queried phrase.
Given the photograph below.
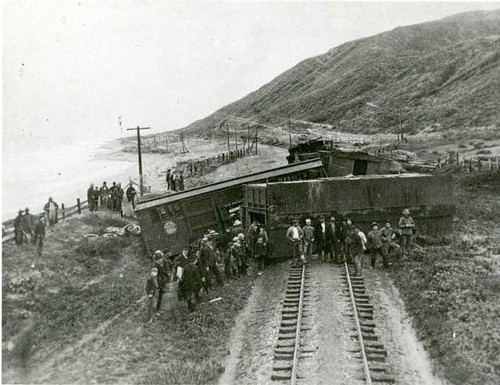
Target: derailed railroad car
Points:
(173, 221)
(363, 199)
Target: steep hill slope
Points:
(445, 72)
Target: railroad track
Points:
(372, 352)
(289, 348)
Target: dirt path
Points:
(406, 355)
(253, 337)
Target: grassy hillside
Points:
(451, 289)
(445, 72)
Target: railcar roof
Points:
(350, 177)
(279, 171)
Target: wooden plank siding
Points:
(363, 199)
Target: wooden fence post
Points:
(63, 211)
(470, 164)
(79, 206)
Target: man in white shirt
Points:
(294, 235)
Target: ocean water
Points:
(62, 172)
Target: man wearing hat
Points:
(90, 197)
(39, 234)
(294, 234)
(29, 223)
(51, 209)
(212, 250)
(19, 228)
(406, 227)
(374, 244)
(162, 265)
(152, 293)
(322, 237)
(308, 238)
(190, 283)
(356, 249)
(237, 228)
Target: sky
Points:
(72, 68)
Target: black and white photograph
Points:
(250, 192)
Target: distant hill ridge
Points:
(445, 71)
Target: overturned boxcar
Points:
(173, 221)
(363, 199)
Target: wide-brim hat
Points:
(375, 224)
(20, 211)
(295, 221)
(237, 222)
(26, 209)
(236, 239)
(406, 211)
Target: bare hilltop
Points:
(443, 74)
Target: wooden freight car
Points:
(173, 221)
(363, 199)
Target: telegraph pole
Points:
(228, 145)
(139, 154)
(289, 133)
(401, 123)
(236, 138)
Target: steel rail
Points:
(293, 379)
(358, 328)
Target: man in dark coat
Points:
(29, 224)
(104, 192)
(39, 236)
(252, 234)
(19, 228)
(168, 179)
(112, 197)
(190, 284)
(322, 240)
(333, 240)
(161, 265)
(341, 235)
(131, 193)
(212, 249)
(96, 197)
(152, 293)
(181, 181)
(90, 197)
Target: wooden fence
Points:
(199, 167)
(473, 163)
(63, 213)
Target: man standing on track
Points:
(294, 234)
(323, 238)
(356, 250)
(308, 231)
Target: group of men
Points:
(109, 198)
(175, 180)
(205, 264)
(339, 241)
(29, 228)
